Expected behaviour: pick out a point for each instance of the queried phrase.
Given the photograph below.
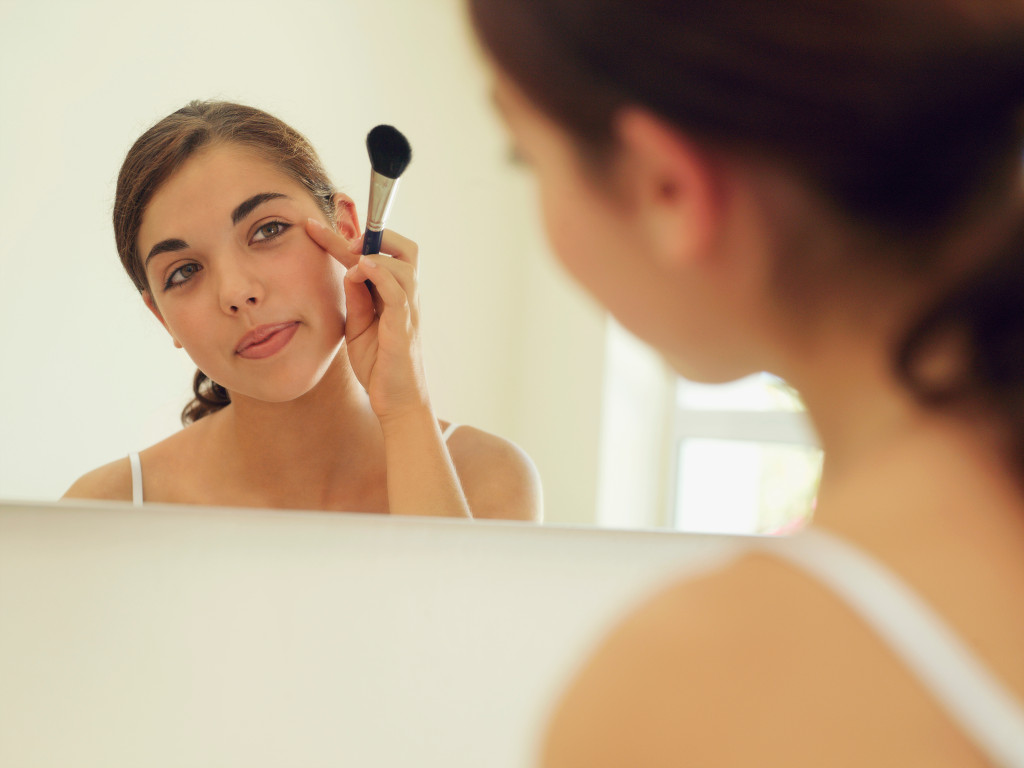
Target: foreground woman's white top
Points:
(963, 685)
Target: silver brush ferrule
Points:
(382, 192)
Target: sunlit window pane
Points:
(742, 487)
(761, 392)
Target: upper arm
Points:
(499, 479)
(111, 481)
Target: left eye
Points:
(270, 230)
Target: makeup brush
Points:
(390, 154)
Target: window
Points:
(734, 458)
(745, 459)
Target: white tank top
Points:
(970, 693)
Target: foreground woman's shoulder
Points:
(754, 663)
(112, 481)
(498, 477)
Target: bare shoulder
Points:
(498, 477)
(754, 664)
(112, 481)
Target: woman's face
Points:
(234, 278)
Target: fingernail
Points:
(316, 222)
(368, 263)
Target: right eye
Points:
(181, 275)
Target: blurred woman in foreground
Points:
(831, 192)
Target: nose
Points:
(239, 287)
(251, 300)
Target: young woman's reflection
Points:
(310, 392)
(830, 191)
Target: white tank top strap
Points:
(448, 431)
(969, 691)
(133, 459)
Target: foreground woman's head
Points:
(868, 150)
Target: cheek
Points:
(567, 227)
(332, 284)
(325, 289)
(582, 235)
(312, 274)
(184, 321)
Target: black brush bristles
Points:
(389, 150)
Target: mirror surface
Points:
(511, 346)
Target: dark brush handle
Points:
(371, 242)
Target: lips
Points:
(265, 340)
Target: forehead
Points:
(208, 186)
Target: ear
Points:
(148, 299)
(675, 186)
(346, 217)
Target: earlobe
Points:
(346, 216)
(675, 184)
(147, 298)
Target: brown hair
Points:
(162, 150)
(904, 114)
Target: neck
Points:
(855, 405)
(894, 468)
(323, 449)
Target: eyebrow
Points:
(249, 205)
(165, 246)
(243, 210)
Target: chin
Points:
(706, 371)
(287, 387)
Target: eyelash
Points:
(170, 284)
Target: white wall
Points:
(87, 374)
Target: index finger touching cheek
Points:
(336, 245)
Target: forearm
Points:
(421, 476)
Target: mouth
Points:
(266, 340)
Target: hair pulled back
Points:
(905, 114)
(164, 148)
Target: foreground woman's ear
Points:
(675, 184)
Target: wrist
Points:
(416, 418)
